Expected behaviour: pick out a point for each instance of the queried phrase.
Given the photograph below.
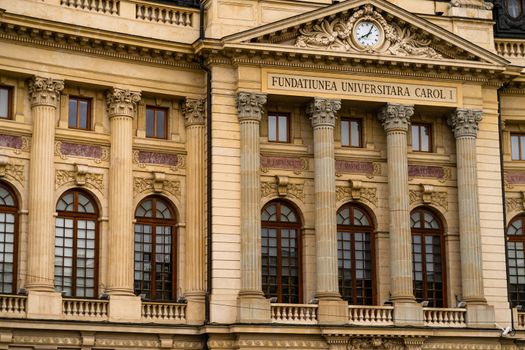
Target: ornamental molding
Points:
(171, 160)
(323, 112)
(184, 345)
(376, 343)
(81, 176)
(400, 39)
(194, 112)
(295, 164)
(369, 169)
(19, 144)
(515, 204)
(357, 192)
(45, 91)
(250, 106)
(34, 339)
(158, 183)
(428, 195)
(221, 344)
(282, 188)
(442, 174)
(395, 117)
(98, 154)
(122, 102)
(129, 343)
(460, 346)
(11, 171)
(473, 4)
(281, 344)
(465, 122)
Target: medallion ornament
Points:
(465, 122)
(395, 117)
(194, 112)
(121, 102)
(323, 112)
(250, 106)
(45, 91)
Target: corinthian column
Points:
(253, 307)
(121, 106)
(194, 118)
(465, 126)
(395, 119)
(323, 114)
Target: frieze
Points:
(97, 153)
(272, 189)
(141, 185)
(297, 165)
(281, 344)
(185, 345)
(133, 343)
(370, 169)
(33, 339)
(460, 346)
(345, 193)
(95, 181)
(429, 171)
(18, 143)
(512, 178)
(171, 160)
(376, 343)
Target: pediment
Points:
(334, 30)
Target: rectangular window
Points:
(517, 147)
(278, 127)
(79, 116)
(157, 122)
(351, 132)
(421, 138)
(5, 102)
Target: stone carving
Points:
(376, 344)
(97, 153)
(428, 171)
(35, 339)
(282, 188)
(370, 169)
(512, 178)
(194, 112)
(121, 102)
(297, 165)
(474, 4)
(173, 161)
(395, 116)
(156, 184)
(127, 343)
(250, 106)
(427, 195)
(12, 171)
(356, 191)
(465, 122)
(81, 177)
(337, 35)
(516, 204)
(323, 112)
(45, 91)
(281, 344)
(18, 143)
(184, 345)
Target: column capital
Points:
(194, 111)
(122, 102)
(465, 122)
(395, 117)
(45, 91)
(250, 106)
(323, 112)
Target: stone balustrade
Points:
(108, 7)
(85, 309)
(176, 16)
(511, 49)
(163, 312)
(294, 313)
(13, 306)
(370, 315)
(445, 318)
(519, 319)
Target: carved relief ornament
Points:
(121, 102)
(395, 117)
(465, 122)
(428, 195)
(474, 4)
(282, 188)
(45, 91)
(81, 176)
(12, 171)
(194, 112)
(158, 184)
(356, 191)
(337, 35)
(250, 106)
(323, 112)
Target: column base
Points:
(332, 311)
(124, 308)
(44, 305)
(253, 307)
(408, 314)
(195, 308)
(480, 316)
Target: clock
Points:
(367, 34)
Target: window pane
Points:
(161, 124)
(4, 103)
(425, 138)
(150, 122)
(356, 133)
(83, 114)
(415, 138)
(72, 117)
(522, 145)
(283, 128)
(345, 133)
(515, 147)
(514, 8)
(272, 128)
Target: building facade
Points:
(262, 174)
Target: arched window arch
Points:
(281, 253)
(355, 255)
(8, 239)
(76, 245)
(428, 253)
(516, 260)
(514, 8)
(155, 250)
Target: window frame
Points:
(78, 115)
(156, 109)
(9, 102)
(14, 211)
(278, 226)
(288, 126)
(520, 136)
(350, 120)
(430, 138)
(154, 222)
(75, 216)
(515, 239)
(507, 12)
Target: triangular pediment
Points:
(338, 29)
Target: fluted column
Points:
(194, 118)
(252, 304)
(44, 94)
(121, 105)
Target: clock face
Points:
(367, 34)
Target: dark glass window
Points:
(514, 8)
(76, 245)
(278, 127)
(155, 250)
(516, 260)
(421, 138)
(351, 132)
(355, 250)
(8, 240)
(281, 260)
(79, 113)
(427, 257)
(517, 146)
(157, 122)
(5, 102)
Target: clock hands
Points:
(367, 34)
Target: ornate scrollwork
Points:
(474, 4)
(395, 116)
(194, 112)
(323, 112)
(122, 102)
(336, 34)
(376, 343)
(45, 91)
(465, 122)
(250, 106)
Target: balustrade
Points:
(164, 14)
(164, 312)
(294, 313)
(371, 315)
(441, 317)
(12, 306)
(109, 7)
(85, 309)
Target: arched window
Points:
(516, 260)
(8, 240)
(281, 253)
(355, 255)
(514, 8)
(428, 250)
(76, 245)
(155, 250)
